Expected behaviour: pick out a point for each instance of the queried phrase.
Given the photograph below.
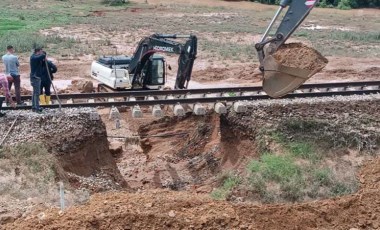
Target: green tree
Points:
(341, 4)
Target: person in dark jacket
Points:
(46, 78)
(37, 60)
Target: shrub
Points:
(115, 2)
(230, 181)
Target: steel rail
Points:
(144, 93)
(205, 99)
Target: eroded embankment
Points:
(184, 153)
(337, 126)
(183, 210)
(199, 153)
(307, 149)
(40, 150)
(78, 141)
(342, 121)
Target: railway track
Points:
(209, 95)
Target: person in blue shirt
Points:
(11, 65)
(37, 61)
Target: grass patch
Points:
(280, 178)
(303, 149)
(29, 171)
(276, 168)
(229, 182)
(115, 2)
(322, 177)
(9, 25)
(27, 41)
(355, 36)
(302, 126)
(341, 188)
(292, 168)
(32, 167)
(228, 50)
(279, 172)
(309, 135)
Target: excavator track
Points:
(207, 96)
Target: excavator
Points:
(147, 71)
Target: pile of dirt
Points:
(247, 72)
(23, 90)
(81, 86)
(298, 55)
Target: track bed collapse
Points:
(218, 98)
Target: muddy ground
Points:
(170, 166)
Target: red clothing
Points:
(4, 85)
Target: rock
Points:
(116, 152)
(41, 216)
(9, 218)
(87, 87)
(148, 205)
(6, 219)
(172, 213)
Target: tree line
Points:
(341, 4)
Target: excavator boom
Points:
(278, 79)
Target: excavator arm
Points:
(161, 43)
(278, 79)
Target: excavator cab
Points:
(280, 79)
(155, 70)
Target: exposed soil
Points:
(298, 55)
(190, 153)
(178, 210)
(367, 74)
(79, 142)
(80, 153)
(234, 74)
(185, 153)
(81, 86)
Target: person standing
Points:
(37, 60)
(46, 78)
(12, 64)
(4, 85)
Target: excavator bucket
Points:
(280, 80)
(289, 67)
